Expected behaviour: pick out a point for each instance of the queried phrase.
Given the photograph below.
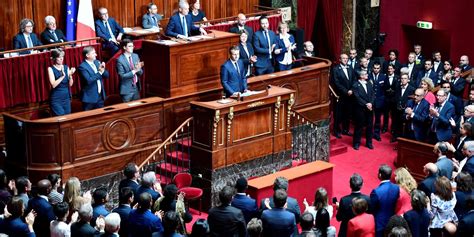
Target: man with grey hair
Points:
(180, 24)
(469, 152)
(149, 185)
(441, 113)
(344, 207)
(52, 35)
(291, 203)
(363, 112)
(112, 224)
(82, 227)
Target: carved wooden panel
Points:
(45, 144)
(145, 124)
(200, 67)
(88, 141)
(252, 124)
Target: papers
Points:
(167, 42)
(194, 38)
(225, 101)
(127, 29)
(249, 93)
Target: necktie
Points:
(185, 27)
(427, 74)
(154, 21)
(237, 68)
(54, 35)
(29, 42)
(94, 68)
(135, 79)
(112, 36)
(269, 45)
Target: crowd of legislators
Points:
(440, 205)
(423, 98)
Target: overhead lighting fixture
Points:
(424, 25)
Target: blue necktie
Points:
(185, 28)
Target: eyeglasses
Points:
(446, 87)
(29, 26)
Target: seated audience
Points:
(14, 225)
(265, 44)
(91, 73)
(442, 206)
(362, 224)
(180, 24)
(42, 208)
(112, 225)
(72, 195)
(52, 35)
(124, 208)
(171, 224)
(149, 185)
(60, 79)
(418, 218)
(427, 185)
(196, 13)
(445, 165)
(277, 221)
(131, 173)
(242, 201)
(416, 115)
(247, 54)
(320, 201)
(466, 223)
(101, 197)
(129, 70)
(55, 196)
(23, 188)
(226, 220)
(291, 203)
(109, 31)
(26, 38)
(60, 227)
(82, 228)
(141, 220)
(396, 221)
(286, 42)
(254, 228)
(151, 20)
(322, 226)
(240, 27)
(407, 184)
(464, 188)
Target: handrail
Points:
(49, 45)
(165, 142)
(273, 11)
(333, 92)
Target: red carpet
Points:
(196, 216)
(364, 161)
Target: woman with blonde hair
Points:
(427, 85)
(407, 183)
(72, 195)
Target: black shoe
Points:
(370, 146)
(384, 130)
(377, 138)
(347, 133)
(338, 135)
(356, 146)
(394, 139)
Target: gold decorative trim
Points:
(277, 112)
(255, 104)
(216, 123)
(291, 102)
(230, 116)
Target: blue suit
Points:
(458, 106)
(89, 88)
(445, 167)
(143, 223)
(418, 222)
(281, 56)
(44, 216)
(123, 211)
(247, 205)
(102, 31)
(245, 57)
(441, 124)
(457, 86)
(466, 225)
(128, 183)
(142, 189)
(278, 222)
(263, 52)
(175, 27)
(233, 80)
(148, 22)
(128, 90)
(98, 210)
(16, 227)
(427, 185)
(48, 38)
(19, 42)
(235, 29)
(419, 119)
(433, 76)
(382, 203)
(469, 166)
(291, 206)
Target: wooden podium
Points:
(226, 134)
(176, 68)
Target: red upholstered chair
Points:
(183, 183)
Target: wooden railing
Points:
(232, 19)
(14, 52)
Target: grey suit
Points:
(128, 90)
(148, 22)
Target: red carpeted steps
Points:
(336, 148)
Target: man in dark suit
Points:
(44, 210)
(460, 140)
(265, 45)
(247, 54)
(148, 185)
(26, 38)
(141, 222)
(438, 64)
(129, 69)
(112, 225)
(392, 60)
(383, 199)
(278, 221)
(246, 204)
(468, 114)
(469, 150)
(368, 53)
(226, 220)
(101, 197)
(353, 61)
(454, 100)
(52, 35)
(413, 68)
(464, 63)
(427, 185)
(428, 72)
(364, 111)
(240, 26)
(457, 83)
(14, 225)
(441, 114)
(91, 73)
(416, 113)
(419, 58)
(233, 78)
(82, 228)
(125, 199)
(343, 78)
(402, 93)
(180, 24)
(291, 203)
(131, 173)
(392, 81)
(444, 164)
(363, 65)
(151, 20)
(308, 50)
(378, 79)
(466, 223)
(344, 211)
(109, 31)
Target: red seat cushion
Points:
(191, 193)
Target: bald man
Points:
(464, 63)
(43, 209)
(240, 26)
(427, 185)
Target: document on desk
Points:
(167, 42)
(249, 93)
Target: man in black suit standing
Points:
(438, 64)
(427, 185)
(458, 83)
(364, 113)
(392, 60)
(124, 208)
(368, 54)
(51, 35)
(43, 209)
(226, 220)
(343, 78)
(466, 223)
(132, 173)
(344, 211)
(412, 67)
(240, 27)
(419, 59)
(291, 203)
(242, 201)
(402, 93)
(353, 61)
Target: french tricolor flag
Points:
(85, 20)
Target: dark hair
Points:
(3, 179)
(443, 188)
(391, 65)
(125, 194)
(469, 202)
(254, 227)
(225, 195)
(394, 222)
(56, 53)
(170, 222)
(376, 64)
(53, 178)
(262, 18)
(429, 60)
(200, 228)
(443, 148)
(418, 200)
(21, 184)
(434, 53)
(359, 205)
(241, 185)
(61, 209)
(125, 42)
(170, 191)
(468, 127)
(464, 182)
(356, 182)
(279, 198)
(144, 201)
(393, 51)
(307, 221)
(15, 207)
(320, 198)
(87, 50)
(280, 183)
(234, 48)
(385, 172)
(150, 5)
(322, 221)
(99, 195)
(130, 170)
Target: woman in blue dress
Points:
(195, 11)
(60, 78)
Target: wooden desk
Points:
(303, 182)
(414, 155)
(144, 34)
(186, 67)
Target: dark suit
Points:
(458, 106)
(397, 66)
(245, 57)
(128, 183)
(98, 210)
(143, 223)
(89, 90)
(291, 206)
(278, 222)
(382, 203)
(128, 89)
(47, 37)
(170, 205)
(102, 31)
(441, 125)
(363, 117)
(264, 62)
(247, 205)
(445, 167)
(16, 227)
(342, 85)
(469, 166)
(175, 27)
(390, 99)
(19, 42)
(414, 74)
(235, 29)
(427, 185)
(226, 221)
(417, 124)
(344, 212)
(461, 209)
(440, 69)
(353, 63)
(418, 222)
(44, 216)
(141, 189)
(466, 225)
(459, 144)
(148, 22)
(457, 86)
(432, 75)
(401, 100)
(83, 229)
(379, 102)
(233, 79)
(123, 211)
